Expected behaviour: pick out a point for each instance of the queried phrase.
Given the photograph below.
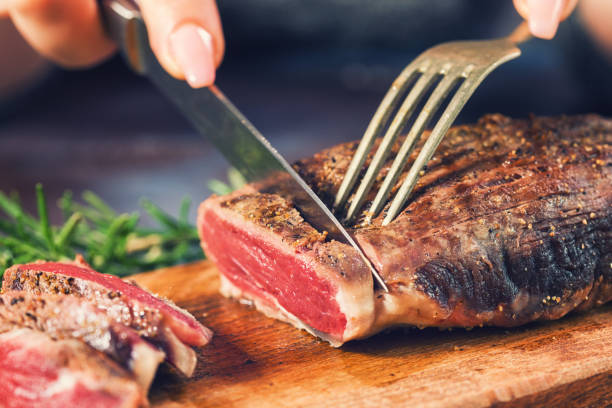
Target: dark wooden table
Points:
(255, 361)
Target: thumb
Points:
(544, 15)
(186, 36)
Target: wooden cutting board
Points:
(254, 361)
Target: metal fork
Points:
(463, 62)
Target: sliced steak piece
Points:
(511, 223)
(37, 371)
(147, 313)
(65, 317)
(267, 254)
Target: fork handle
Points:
(520, 34)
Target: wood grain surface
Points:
(254, 361)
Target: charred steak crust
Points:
(142, 310)
(510, 223)
(144, 320)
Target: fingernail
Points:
(544, 17)
(192, 49)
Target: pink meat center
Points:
(26, 378)
(266, 271)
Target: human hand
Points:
(186, 35)
(544, 16)
(596, 16)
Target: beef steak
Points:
(37, 371)
(510, 223)
(145, 312)
(68, 317)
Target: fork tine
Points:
(471, 61)
(432, 105)
(397, 124)
(437, 134)
(375, 126)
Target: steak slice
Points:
(147, 313)
(65, 317)
(510, 223)
(37, 371)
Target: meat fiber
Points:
(147, 313)
(511, 223)
(37, 371)
(66, 317)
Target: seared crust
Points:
(511, 222)
(146, 321)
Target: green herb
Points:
(111, 242)
(45, 227)
(236, 180)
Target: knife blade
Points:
(220, 122)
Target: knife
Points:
(219, 121)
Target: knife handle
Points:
(124, 24)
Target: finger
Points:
(544, 15)
(68, 32)
(186, 36)
(596, 16)
(3, 8)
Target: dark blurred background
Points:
(308, 74)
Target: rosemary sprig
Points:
(111, 242)
(45, 227)
(235, 181)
